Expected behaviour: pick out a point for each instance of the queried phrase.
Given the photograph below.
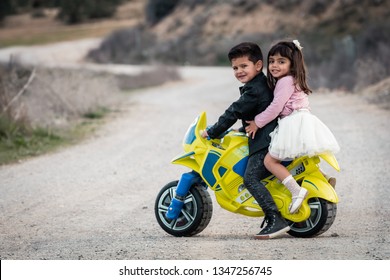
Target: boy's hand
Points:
(205, 134)
(251, 129)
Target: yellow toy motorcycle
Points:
(184, 207)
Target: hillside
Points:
(344, 41)
(201, 33)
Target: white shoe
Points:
(297, 201)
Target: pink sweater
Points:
(286, 99)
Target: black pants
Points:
(255, 171)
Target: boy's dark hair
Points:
(249, 49)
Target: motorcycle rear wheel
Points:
(195, 215)
(323, 214)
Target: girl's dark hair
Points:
(249, 49)
(297, 69)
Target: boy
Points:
(247, 63)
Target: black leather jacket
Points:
(255, 98)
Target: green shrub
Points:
(19, 141)
(76, 11)
(99, 113)
(156, 10)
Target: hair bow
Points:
(297, 44)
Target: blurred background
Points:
(345, 42)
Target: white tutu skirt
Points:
(301, 133)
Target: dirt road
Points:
(95, 200)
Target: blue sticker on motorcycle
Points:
(240, 166)
(208, 166)
(222, 170)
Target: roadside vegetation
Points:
(70, 11)
(19, 141)
(44, 109)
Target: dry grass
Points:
(27, 30)
(45, 108)
(56, 98)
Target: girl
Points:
(298, 132)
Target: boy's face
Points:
(244, 69)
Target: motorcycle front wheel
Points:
(323, 214)
(195, 215)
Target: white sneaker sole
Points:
(273, 235)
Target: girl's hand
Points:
(205, 134)
(251, 129)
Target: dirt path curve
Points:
(95, 200)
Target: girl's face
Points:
(278, 66)
(244, 69)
